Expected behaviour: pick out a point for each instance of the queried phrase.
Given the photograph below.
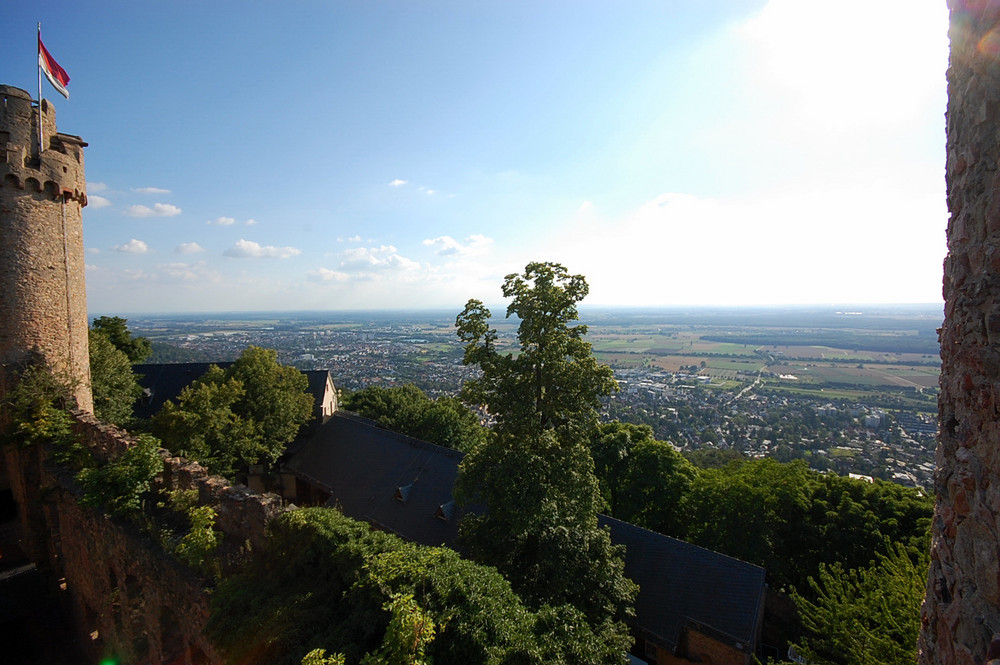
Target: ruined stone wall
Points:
(961, 611)
(130, 599)
(43, 300)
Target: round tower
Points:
(43, 301)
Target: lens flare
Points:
(989, 45)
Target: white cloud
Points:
(189, 248)
(448, 246)
(158, 210)
(248, 249)
(229, 221)
(354, 238)
(95, 201)
(93, 250)
(196, 273)
(376, 258)
(397, 183)
(96, 187)
(133, 246)
(150, 190)
(326, 275)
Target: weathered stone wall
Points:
(130, 600)
(43, 300)
(961, 611)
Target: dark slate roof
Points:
(681, 584)
(364, 467)
(317, 383)
(166, 381)
(393, 481)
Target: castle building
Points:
(43, 301)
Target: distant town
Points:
(849, 391)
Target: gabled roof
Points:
(399, 484)
(318, 379)
(166, 381)
(681, 585)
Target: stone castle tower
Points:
(43, 302)
(961, 612)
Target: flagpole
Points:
(38, 65)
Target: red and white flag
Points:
(56, 75)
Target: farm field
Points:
(862, 363)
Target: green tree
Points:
(867, 616)
(554, 381)
(121, 483)
(408, 410)
(790, 519)
(657, 479)
(409, 633)
(319, 657)
(540, 526)
(203, 425)
(112, 381)
(534, 475)
(116, 330)
(36, 411)
(642, 480)
(245, 415)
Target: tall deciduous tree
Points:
(534, 474)
(554, 382)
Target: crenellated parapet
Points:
(59, 172)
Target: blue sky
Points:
(409, 153)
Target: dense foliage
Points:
(791, 519)
(115, 329)
(866, 616)
(642, 480)
(36, 410)
(325, 582)
(37, 413)
(444, 421)
(113, 384)
(244, 415)
(534, 473)
(783, 516)
(119, 484)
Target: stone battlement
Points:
(60, 171)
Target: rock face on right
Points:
(961, 612)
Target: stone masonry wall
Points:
(130, 600)
(43, 300)
(961, 611)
